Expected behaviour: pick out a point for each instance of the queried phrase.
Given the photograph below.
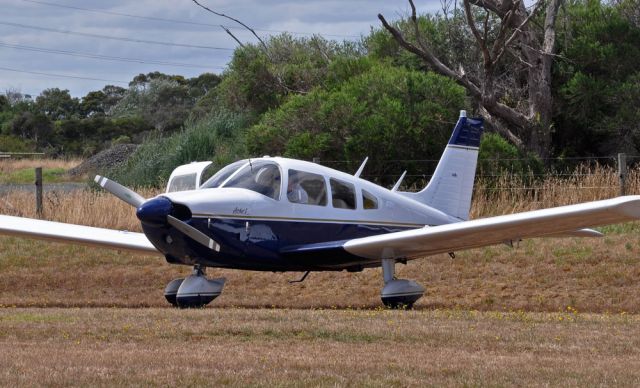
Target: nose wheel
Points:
(194, 291)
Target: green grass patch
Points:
(28, 175)
(627, 227)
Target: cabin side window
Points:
(369, 201)
(343, 194)
(306, 188)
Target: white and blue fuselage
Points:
(264, 228)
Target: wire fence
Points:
(515, 175)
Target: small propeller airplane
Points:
(278, 214)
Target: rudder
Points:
(451, 186)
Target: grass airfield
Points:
(559, 312)
(551, 312)
(315, 347)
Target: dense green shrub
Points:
(217, 137)
(388, 113)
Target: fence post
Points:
(622, 171)
(39, 192)
(316, 160)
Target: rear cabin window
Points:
(369, 201)
(183, 182)
(306, 188)
(343, 194)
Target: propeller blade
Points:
(194, 233)
(129, 196)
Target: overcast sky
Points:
(30, 41)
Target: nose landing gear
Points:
(194, 291)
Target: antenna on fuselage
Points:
(364, 163)
(399, 182)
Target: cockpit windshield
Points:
(222, 175)
(260, 176)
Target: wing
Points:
(494, 230)
(78, 234)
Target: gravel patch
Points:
(103, 160)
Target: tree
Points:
(31, 126)
(15, 96)
(57, 104)
(202, 84)
(100, 102)
(504, 29)
(163, 102)
(260, 77)
(386, 112)
(597, 86)
(4, 103)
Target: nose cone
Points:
(155, 211)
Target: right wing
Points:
(559, 221)
(78, 234)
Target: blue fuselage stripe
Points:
(267, 244)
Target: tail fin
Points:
(451, 186)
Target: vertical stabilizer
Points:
(451, 186)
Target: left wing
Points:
(495, 230)
(78, 234)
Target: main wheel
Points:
(171, 291)
(401, 294)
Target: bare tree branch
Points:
(235, 20)
(481, 42)
(504, 28)
(416, 29)
(233, 36)
(494, 6)
(428, 57)
(501, 129)
(277, 76)
(517, 31)
(519, 57)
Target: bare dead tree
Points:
(528, 125)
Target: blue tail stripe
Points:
(467, 132)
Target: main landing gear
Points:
(398, 293)
(194, 291)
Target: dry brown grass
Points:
(508, 195)
(600, 275)
(275, 347)
(84, 207)
(594, 275)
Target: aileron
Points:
(494, 230)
